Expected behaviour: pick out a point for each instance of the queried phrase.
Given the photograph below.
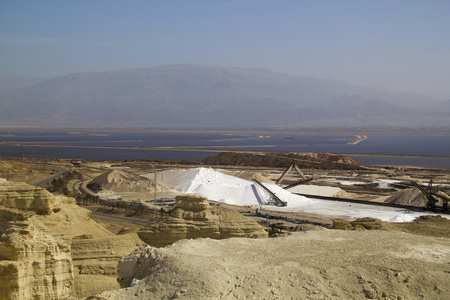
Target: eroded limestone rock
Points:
(33, 263)
(137, 265)
(194, 218)
(50, 248)
(95, 262)
(24, 196)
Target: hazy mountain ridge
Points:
(194, 96)
(10, 84)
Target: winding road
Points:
(61, 172)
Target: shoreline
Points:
(355, 132)
(359, 138)
(204, 149)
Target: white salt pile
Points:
(236, 191)
(224, 188)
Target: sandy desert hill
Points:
(121, 181)
(315, 264)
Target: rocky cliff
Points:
(23, 196)
(33, 263)
(50, 248)
(194, 218)
(95, 261)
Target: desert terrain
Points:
(307, 255)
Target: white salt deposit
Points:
(222, 188)
(344, 182)
(233, 190)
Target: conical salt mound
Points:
(411, 196)
(226, 188)
(122, 182)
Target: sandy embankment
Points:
(359, 138)
(318, 264)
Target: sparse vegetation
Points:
(59, 185)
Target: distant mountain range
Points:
(189, 96)
(10, 84)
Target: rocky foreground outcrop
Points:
(50, 248)
(33, 263)
(315, 264)
(193, 217)
(26, 197)
(95, 261)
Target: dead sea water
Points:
(426, 151)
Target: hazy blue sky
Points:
(401, 45)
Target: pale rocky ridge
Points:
(33, 263)
(95, 261)
(24, 196)
(50, 248)
(193, 217)
(315, 264)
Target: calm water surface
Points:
(138, 145)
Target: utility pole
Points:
(154, 190)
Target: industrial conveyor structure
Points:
(289, 169)
(276, 199)
(432, 192)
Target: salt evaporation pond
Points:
(236, 191)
